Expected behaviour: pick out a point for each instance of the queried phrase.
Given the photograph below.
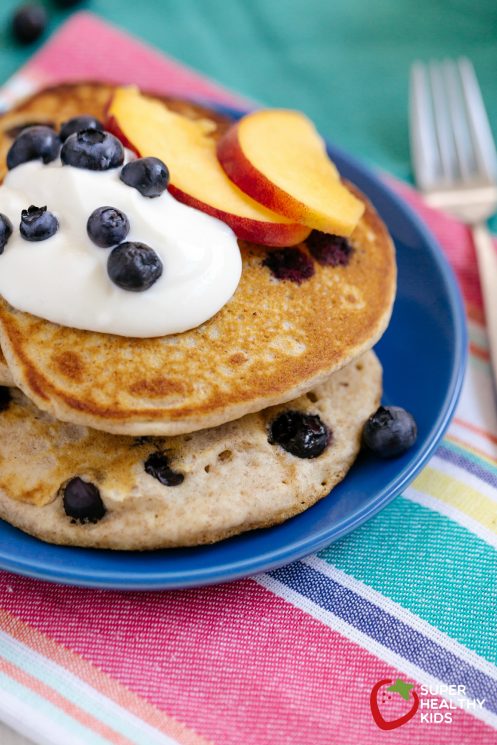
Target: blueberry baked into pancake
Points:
(187, 306)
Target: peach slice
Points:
(278, 158)
(188, 148)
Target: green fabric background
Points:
(344, 62)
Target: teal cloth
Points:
(344, 62)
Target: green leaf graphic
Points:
(402, 688)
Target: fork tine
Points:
(479, 126)
(442, 121)
(459, 121)
(424, 147)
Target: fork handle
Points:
(486, 254)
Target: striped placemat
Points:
(294, 655)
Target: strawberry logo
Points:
(404, 690)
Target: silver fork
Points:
(455, 162)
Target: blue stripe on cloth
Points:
(472, 466)
(388, 630)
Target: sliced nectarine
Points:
(278, 158)
(188, 148)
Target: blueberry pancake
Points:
(84, 487)
(298, 315)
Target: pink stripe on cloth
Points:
(234, 663)
(89, 674)
(118, 58)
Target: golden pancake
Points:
(234, 479)
(274, 340)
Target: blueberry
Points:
(92, 149)
(5, 398)
(16, 129)
(28, 22)
(34, 143)
(289, 263)
(303, 435)
(78, 123)
(330, 250)
(107, 226)
(149, 175)
(134, 266)
(67, 3)
(157, 465)
(37, 224)
(82, 501)
(5, 231)
(390, 431)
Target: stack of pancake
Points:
(174, 436)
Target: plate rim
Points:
(170, 580)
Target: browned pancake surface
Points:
(272, 341)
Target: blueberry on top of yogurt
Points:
(34, 143)
(134, 266)
(92, 149)
(107, 226)
(37, 224)
(149, 176)
(6, 229)
(78, 123)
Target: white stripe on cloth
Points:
(18, 87)
(18, 714)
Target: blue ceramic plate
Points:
(423, 354)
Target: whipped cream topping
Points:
(64, 278)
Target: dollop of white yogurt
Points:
(64, 278)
